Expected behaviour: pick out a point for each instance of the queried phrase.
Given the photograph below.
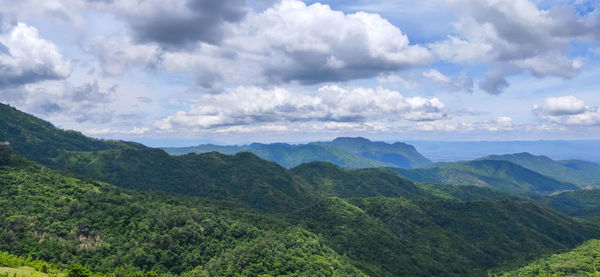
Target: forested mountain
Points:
(580, 203)
(581, 261)
(66, 220)
(345, 152)
(218, 215)
(287, 155)
(577, 172)
(450, 151)
(502, 175)
(399, 154)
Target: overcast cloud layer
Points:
(240, 71)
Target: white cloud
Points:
(513, 32)
(108, 131)
(462, 83)
(406, 82)
(247, 106)
(290, 43)
(568, 111)
(27, 58)
(116, 56)
(501, 123)
(563, 105)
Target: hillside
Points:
(581, 173)
(502, 175)
(399, 154)
(40, 141)
(581, 261)
(351, 153)
(65, 220)
(399, 237)
(580, 203)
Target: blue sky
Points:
(234, 71)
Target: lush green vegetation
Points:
(581, 261)
(581, 173)
(501, 175)
(581, 203)
(16, 265)
(65, 220)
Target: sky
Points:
(184, 72)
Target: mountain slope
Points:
(65, 220)
(502, 175)
(399, 237)
(39, 140)
(244, 177)
(577, 172)
(580, 203)
(330, 180)
(581, 261)
(399, 154)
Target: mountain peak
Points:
(352, 139)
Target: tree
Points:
(78, 270)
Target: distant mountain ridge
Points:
(582, 173)
(351, 153)
(502, 175)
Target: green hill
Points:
(351, 153)
(329, 180)
(580, 203)
(399, 154)
(581, 261)
(65, 220)
(581, 173)
(400, 237)
(501, 175)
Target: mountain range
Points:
(124, 209)
(346, 152)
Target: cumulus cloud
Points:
(513, 32)
(287, 43)
(108, 131)
(179, 23)
(87, 102)
(501, 123)
(247, 106)
(568, 111)
(27, 58)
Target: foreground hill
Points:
(65, 220)
(581, 261)
(502, 175)
(577, 172)
(345, 152)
